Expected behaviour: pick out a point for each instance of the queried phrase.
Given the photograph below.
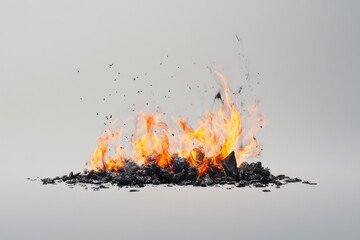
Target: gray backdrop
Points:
(307, 55)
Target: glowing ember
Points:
(154, 141)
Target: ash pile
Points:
(180, 173)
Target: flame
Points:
(218, 134)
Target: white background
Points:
(307, 56)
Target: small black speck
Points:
(78, 70)
(103, 99)
(160, 63)
(134, 79)
(110, 116)
(97, 113)
(178, 67)
(115, 80)
(81, 98)
(169, 90)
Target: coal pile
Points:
(180, 173)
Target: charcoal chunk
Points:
(130, 167)
(180, 164)
(100, 173)
(259, 185)
(258, 165)
(244, 166)
(241, 183)
(207, 180)
(292, 180)
(179, 177)
(278, 183)
(229, 164)
(48, 181)
(164, 174)
(134, 190)
(191, 174)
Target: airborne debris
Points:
(218, 96)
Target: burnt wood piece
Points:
(229, 165)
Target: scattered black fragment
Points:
(266, 190)
(309, 183)
(134, 190)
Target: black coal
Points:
(180, 173)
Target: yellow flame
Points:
(218, 133)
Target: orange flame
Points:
(218, 133)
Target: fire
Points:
(153, 140)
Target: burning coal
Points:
(176, 153)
